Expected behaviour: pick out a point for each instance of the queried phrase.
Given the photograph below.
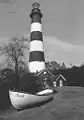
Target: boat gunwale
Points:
(32, 93)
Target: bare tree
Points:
(14, 53)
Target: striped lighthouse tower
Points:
(36, 56)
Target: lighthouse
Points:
(36, 54)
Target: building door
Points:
(60, 83)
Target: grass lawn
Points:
(68, 104)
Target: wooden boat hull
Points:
(20, 99)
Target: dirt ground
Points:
(67, 104)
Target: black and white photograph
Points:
(41, 60)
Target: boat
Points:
(20, 100)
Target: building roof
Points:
(58, 76)
(43, 71)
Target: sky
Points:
(62, 26)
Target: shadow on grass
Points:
(55, 91)
(36, 105)
(4, 97)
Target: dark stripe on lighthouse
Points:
(36, 56)
(36, 35)
(36, 16)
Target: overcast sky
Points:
(62, 25)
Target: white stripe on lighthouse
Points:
(36, 66)
(35, 26)
(36, 45)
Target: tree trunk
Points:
(17, 74)
(16, 66)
